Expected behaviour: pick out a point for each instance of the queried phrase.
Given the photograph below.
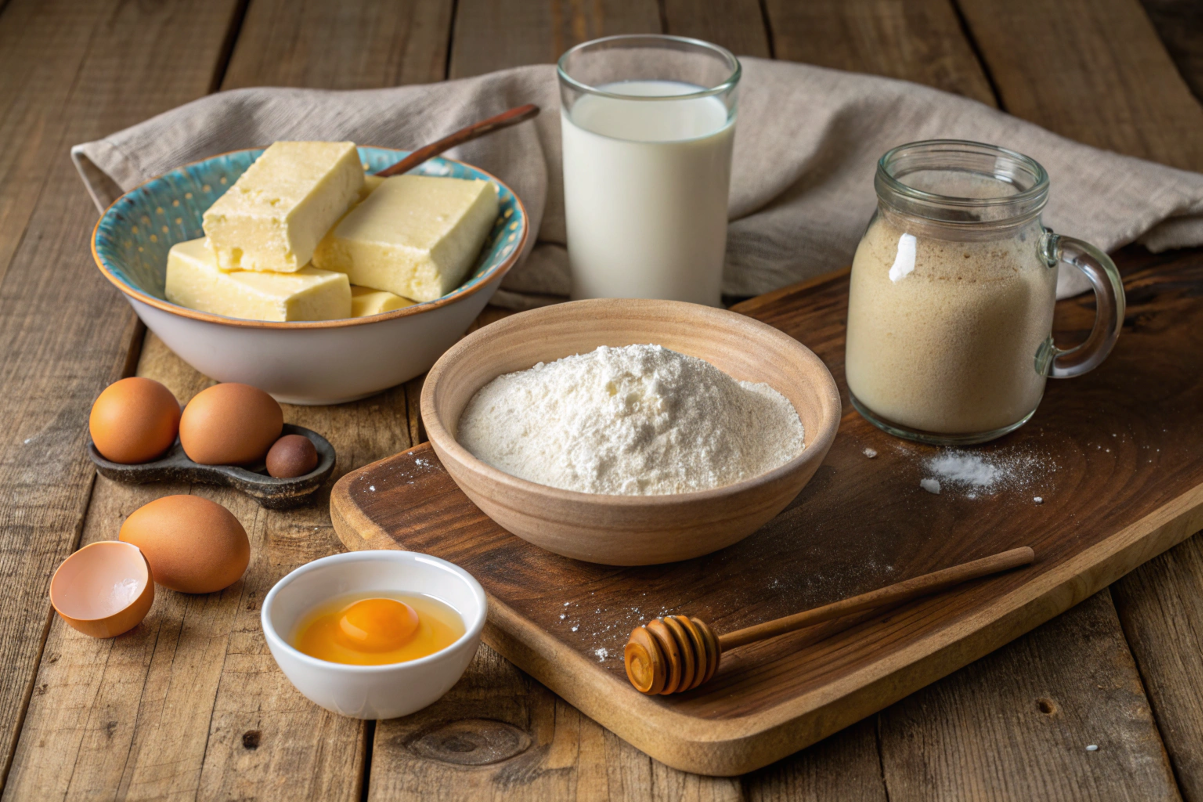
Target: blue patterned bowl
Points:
(320, 362)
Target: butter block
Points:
(367, 301)
(281, 207)
(195, 281)
(370, 183)
(414, 236)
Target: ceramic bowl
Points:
(321, 362)
(373, 692)
(104, 589)
(630, 530)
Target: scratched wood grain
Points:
(191, 703)
(918, 41)
(71, 72)
(1068, 67)
(34, 111)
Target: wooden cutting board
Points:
(1116, 458)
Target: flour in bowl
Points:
(637, 420)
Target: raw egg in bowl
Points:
(374, 634)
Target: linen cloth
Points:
(806, 146)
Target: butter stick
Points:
(195, 281)
(370, 183)
(414, 236)
(275, 214)
(366, 301)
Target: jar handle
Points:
(1109, 305)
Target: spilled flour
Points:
(636, 420)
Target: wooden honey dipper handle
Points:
(675, 653)
(467, 134)
(891, 594)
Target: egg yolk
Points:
(377, 625)
(371, 629)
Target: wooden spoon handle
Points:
(473, 131)
(891, 594)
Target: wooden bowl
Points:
(630, 530)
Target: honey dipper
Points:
(678, 653)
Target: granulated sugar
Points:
(987, 472)
(637, 420)
(969, 469)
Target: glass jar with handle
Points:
(950, 308)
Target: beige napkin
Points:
(807, 141)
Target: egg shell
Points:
(230, 424)
(293, 455)
(104, 589)
(134, 420)
(192, 544)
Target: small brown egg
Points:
(293, 455)
(134, 420)
(230, 424)
(192, 544)
(103, 589)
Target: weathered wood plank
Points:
(879, 30)
(63, 332)
(1179, 25)
(32, 99)
(1017, 724)
(1121, 92)
(737, 25)
(355, 44)
(1160, 606)
(496, 34)
(500, 735)
(191, 702)
(543, 748)
(844, 767)
(918, 41)
(1091, 70)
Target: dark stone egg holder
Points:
(272, 493)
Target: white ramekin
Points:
(373, 692)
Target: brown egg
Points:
(192, 544)
(103, 589)
(134, 420)
(293, 455)
(230, 424)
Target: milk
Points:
(645, 193)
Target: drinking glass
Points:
(648, 124)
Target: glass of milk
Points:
(950, 309)
(648, 123)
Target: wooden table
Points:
(190, 704)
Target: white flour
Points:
(638, 420)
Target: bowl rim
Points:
(149, 580)
(440, 437)
(472, 629)
(494, 275)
